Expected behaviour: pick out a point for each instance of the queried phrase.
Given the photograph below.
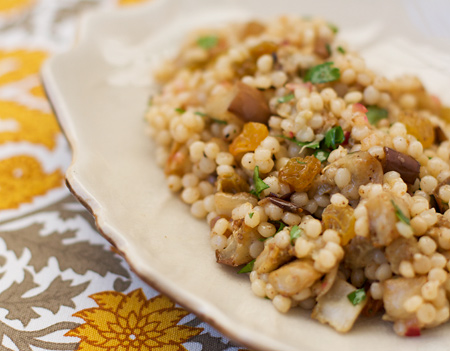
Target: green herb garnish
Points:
(321, 155)
(322, 73)
(334, 137)
(295, 233)
(247, 268)
(258, 183)
(180, 110)
(341, 49)
(208, 42)
(300, 162)
(286, 98)
(251, 214)
(328, 47)
(280, 228)
(215, 120)
(400, 215)
(333, 27)
(309, 144)
(375, 114)
(357, 296)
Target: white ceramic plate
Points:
(100, 104)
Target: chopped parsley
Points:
(215, 120)
(400, 215)
(280, 228)
(321, 155)
(208, 41)
(247, 268)
(341, 49)
(286, 98)
(309, 144)
(322, 73)
(180, 110)
(333, 27)
(300, 162)
(375, 114)
(251, 214)
(295, 233)
(328, 47)
(357, 296)
(258, 183)
(334, 137)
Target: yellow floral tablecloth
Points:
(62, 286)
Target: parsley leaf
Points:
(295, 233)
(333, 27)
(215, 120)
(251, 214)
(341, 49)
(357, 296)
(309, 144)
(322, 73)
(258, 182)
(300, 162)
(400, 215)
(328, 47)
(280, 228)
(208, 42)
(321, 155)
(286, 98)
(180, 110)
(334, 137)
(375, 114)
(247, 268)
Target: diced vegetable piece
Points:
(340, 219)
(178, 162)
(321, 48)
(396, 292)
(419, 126)
(335, 309)
(407, 166)
(249, 104)
(237, 252)
(232, 184)
(225, 203)
(401, 249)
(250, 138)
(328, 281)
(293, 277)
(382, 218)
(358, 253)
(271, 258)
(299, 172)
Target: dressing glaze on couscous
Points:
(324, 180)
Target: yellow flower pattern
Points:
(26, 124)
(14, 5)
(16, 65)
(131, 2)
(22, 178)
(132, 323)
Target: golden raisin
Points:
(340, 219)
(418, 126)
(300, 172)
(250, 138)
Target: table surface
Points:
(62, 285)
